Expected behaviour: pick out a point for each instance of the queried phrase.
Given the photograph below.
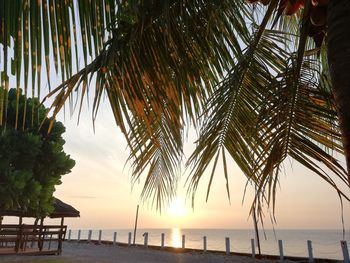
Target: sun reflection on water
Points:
(176, 237)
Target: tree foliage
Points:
(254, 83)
(31, 160)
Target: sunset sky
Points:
(100, 187)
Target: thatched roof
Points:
(61, 209)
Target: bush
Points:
(32, 160)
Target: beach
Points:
(74, 252)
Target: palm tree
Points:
(254, 82)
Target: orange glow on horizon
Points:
(176, 237)
(177, 208)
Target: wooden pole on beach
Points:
(162, 240)
(227, 243)
(309, 249)
(183, 241)
(115, 238)
(129, 239)
(205, 244)
(145, 242)
(100, 236)
(280, 246)
(344, 247)
(69, 234)
(253, 247)
(79, 233)
(256, 230)
(137, 215)
(89, 236)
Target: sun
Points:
(177, 208)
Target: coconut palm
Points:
(254, 81)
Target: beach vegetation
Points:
(32, 161)
(252, 77)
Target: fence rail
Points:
(278, 251)
(34, 239)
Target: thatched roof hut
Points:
(19, 234)
(61, 209)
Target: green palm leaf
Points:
(257, 94)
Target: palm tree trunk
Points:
(339, 63)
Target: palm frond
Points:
(299, 123)
(232, 109)
(162, 60)
(33, 30)
(161, 153)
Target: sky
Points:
(99, 186)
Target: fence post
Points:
(90, 235)
(253, 247)
(145, 242)
(79, 232)
(205, 244)
(162, 240)
(99, 236)
(183, 241)
(280, 246)
(114, 238)
(227, 242)
(344, 248)
(69, 234)
(129, 240)
(309, 248)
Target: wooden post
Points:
(79, 233)
(344, 248)
(227, 243)
(256, 230)
(69, 234)
(100, 236)
(89, 236)
(129, 240)
(253, 247)
(204, 244)
(183, 241)
(145, 242)
(280, 246)
(137, 215)
(115, 238)
(36, 230)
(162, 240)
(19, 235)
(42, 235)
(309, 249)
(60, 237)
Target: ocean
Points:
(325, 243)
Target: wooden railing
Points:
(37, 239)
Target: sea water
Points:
(325, 243)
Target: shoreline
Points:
(93, 251)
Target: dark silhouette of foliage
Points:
(32, 160)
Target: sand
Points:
(74, 252)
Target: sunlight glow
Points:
(176, 237)
(177, 208)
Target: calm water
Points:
(326, 243)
